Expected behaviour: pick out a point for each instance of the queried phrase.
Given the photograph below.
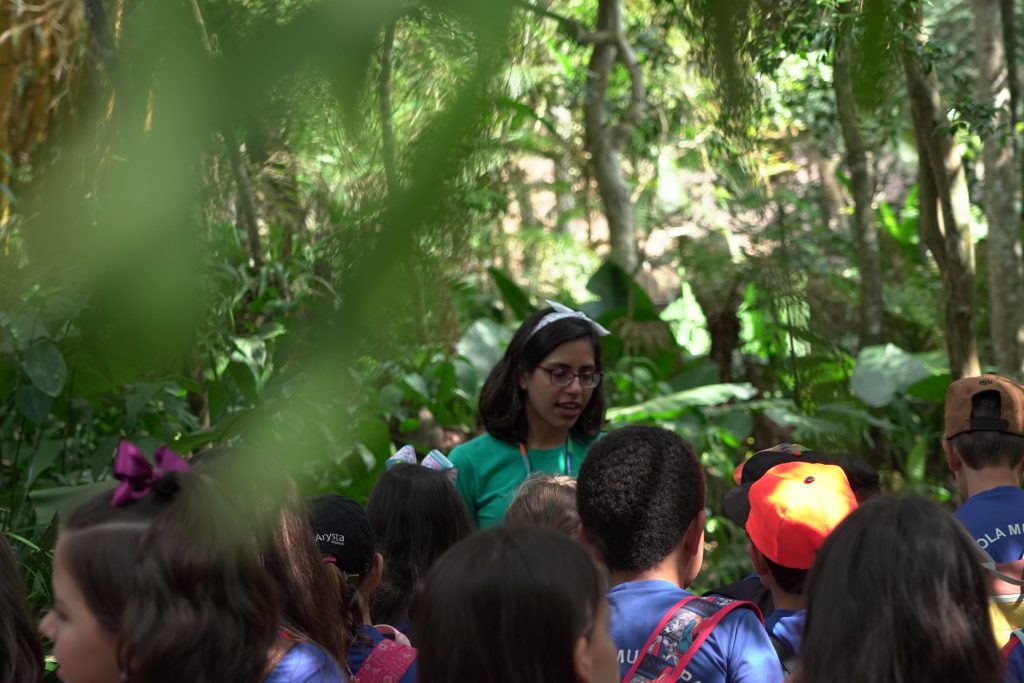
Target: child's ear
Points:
(953, 459)
(376, 572)
(581, 536)
(581, 660)
(693, 541)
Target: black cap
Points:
(343, 532)
(735, 503)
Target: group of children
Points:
(217, 570)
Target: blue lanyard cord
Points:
(568, 457)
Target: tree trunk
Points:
(604, 141)
(1004, 250)
(8, 79)
(245, 203)
(865, 228)
(944, 214)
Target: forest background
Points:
(310, 226)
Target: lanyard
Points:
(568, 457)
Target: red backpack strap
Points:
(679, 635)
(388, 661)
(1015, 638)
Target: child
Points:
(515, 605)
(416, 514)
(897, 593)
(984, 448)
(640, 496)
(160, 585)
(345, 539)
(793, 508)
(22, 655)
(278, 524)
(542, 405)
(546, 500)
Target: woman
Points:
(517, 605)
(542, 406)
(897, 593)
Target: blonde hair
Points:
(546, 500)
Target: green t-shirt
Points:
(491, 470)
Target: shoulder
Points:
(307, 663)
(478, 447)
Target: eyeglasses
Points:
(563, 377)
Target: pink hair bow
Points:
(137, 475)
(433, 460)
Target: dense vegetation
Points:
(311, 225)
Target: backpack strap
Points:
(1016, 637)
(388, 661)
(787, 657)
(678, 636)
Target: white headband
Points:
(561, 312)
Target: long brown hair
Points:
(22, 660)
(174, 576)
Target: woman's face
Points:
(85, 651)
(551, 410)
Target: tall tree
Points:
(1004, 248)
(944, 205)
(864, 226)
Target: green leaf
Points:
(617, 290)
(45, 366)
(33, 403)
(515, 298)
(50, 501)
(883, 371)
(483, 345)
(914, 465)
(47, 452)
(666, 407)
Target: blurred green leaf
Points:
(33, 403)
(664, 407)
(45, 366)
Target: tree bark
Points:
(945, 214)
(8, 79)
(1004, 248)
(603, 140)
(864, 226)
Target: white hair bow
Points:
(562, 312)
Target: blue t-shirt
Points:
(788, 626)
(366, 639)
(995, 518)
(307, 663)
(736, 651)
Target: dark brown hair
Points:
(982, 448)
(521, 596)
(173, 575)
(898, 588)
(547, 500)
(22, 660)
(285, 544)
(416, 514)
(502, 407)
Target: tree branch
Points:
(571, 27)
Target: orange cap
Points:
(793, 509)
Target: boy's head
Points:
(640, 494)
(793, 508)
(985, 421)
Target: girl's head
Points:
(165, 588)
(526, 386)
(278, 522)
(899, 588)
(531, 603)
(22, 660)
(547, 500)
(416, 514)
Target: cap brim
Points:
(736, 504)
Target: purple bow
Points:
(433, 460)
(137, 475)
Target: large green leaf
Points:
(515, 298)
(44, 365)
(47, 452)
(617, 290)
(883, 371)
(33, 403)
(50, 501)
(671, 405)
(483, 345)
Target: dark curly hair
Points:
(638, 490)
(501, 398)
